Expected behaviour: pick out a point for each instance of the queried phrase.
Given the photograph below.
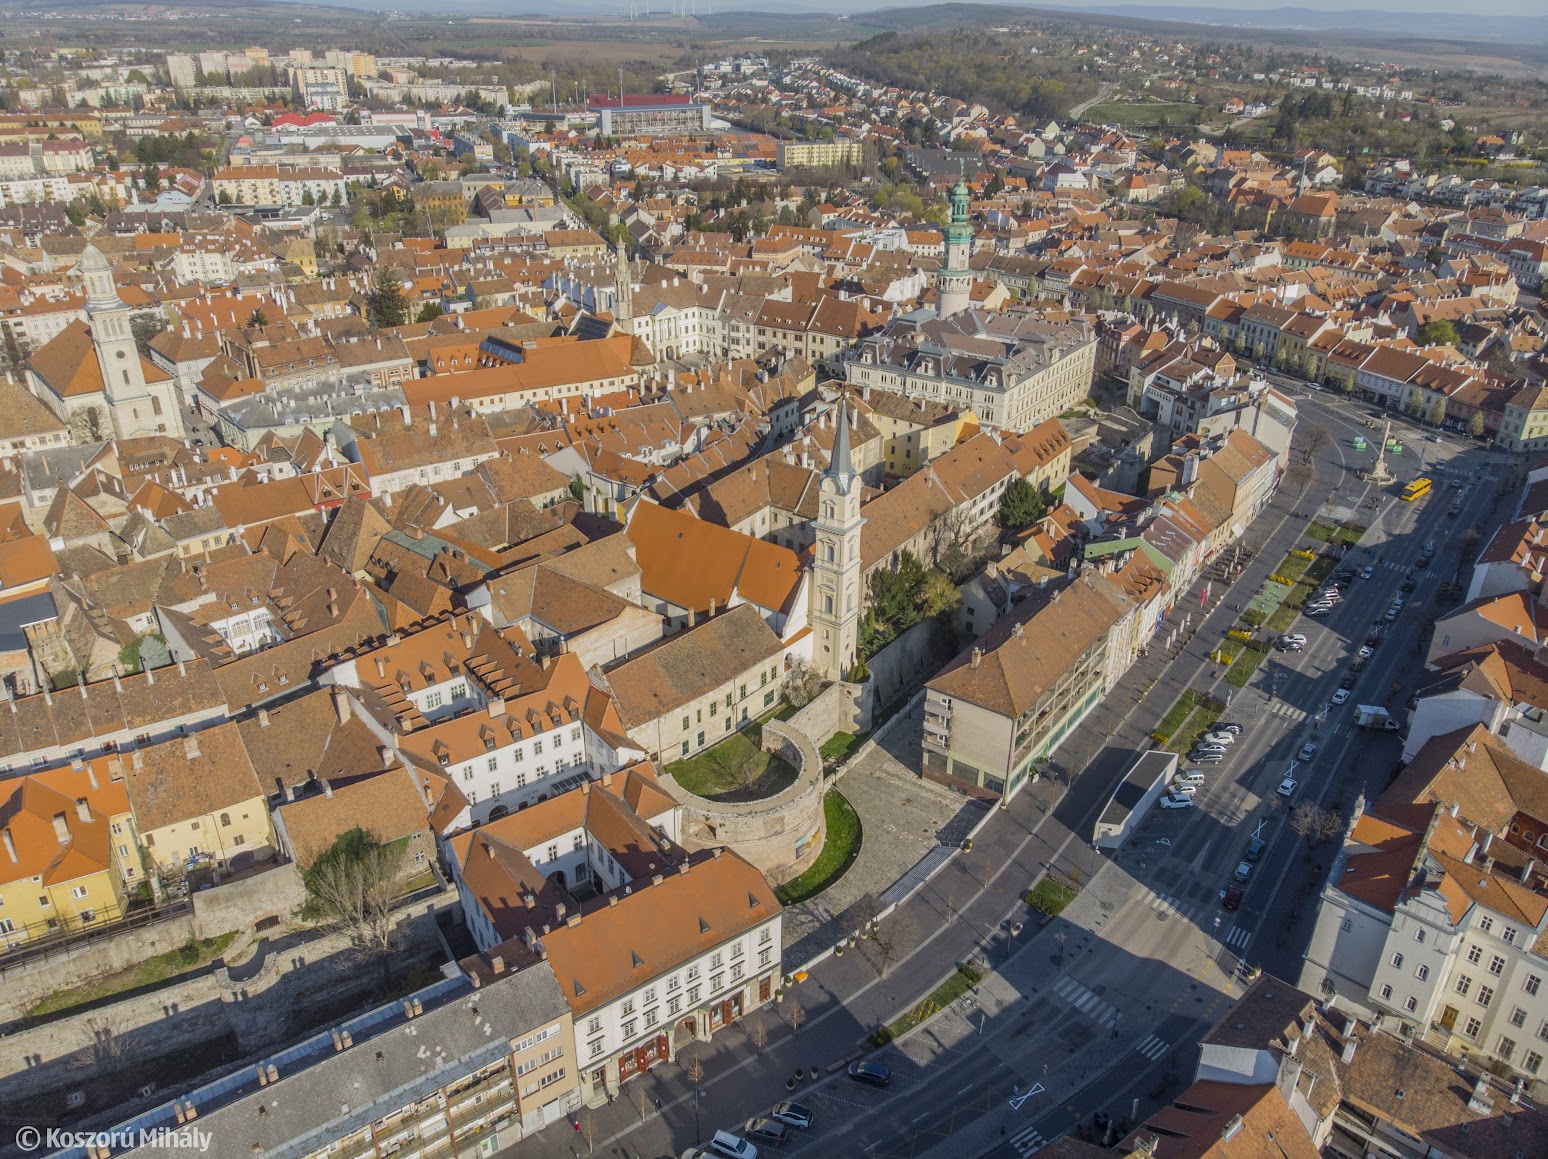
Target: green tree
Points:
(937, 594)
(1475, 425)
(388, 306)
(352, 885)
(1440, 332)
(429, 312)
(257, 320)
(1020, 506)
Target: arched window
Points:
(225, 819)
(827, 604)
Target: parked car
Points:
(1228, 726)
(1208, 750)
(1367, 571)
(1410, 584)
(766, 1130)
(1184, 788)
(792, 1115)
(1243, 871)
(1224, 738)
(1366, 652)
(1255, 849)
(1432, 438)
(1231, 898)
(865, 1071)
(732, 1146)
(1170, 801)
(1308, 750)
(1286, 787)
(1392, 614)
(1347, 683)
(1422, 561)
(1189, 777)
(1206, 758)
(1339, 697)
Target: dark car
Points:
(1255, 849)
(1347, 683)
(767, 1131)
(866, 1071)
(1231, 899)
(1422, 561)
(1410, 584)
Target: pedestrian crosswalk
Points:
(1164, 906)
(1028, 1142)
(1238, 937)
(1153, 1048)
(1087, 1002)
(1288, 711)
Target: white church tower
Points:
(836, 567)
(137, 406)
(954, 280)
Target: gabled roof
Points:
(690, 563)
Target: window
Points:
(693, 995)
(650, 1017)
(1485, 995)
(687, 724)
(494, 763)
(1422, 973)
(1542, 1032)
(596, 1047)
(1474, 953)
(537, 747)
(768, 699)
(1386, 991)
(78, 892)
(1486, 924)
(553, 853)
(693, 972)
(1531, 984)
(575, 735)
(672, 984)
(1496, 965)
(1419, 936)
(467, 772)
(1531, 1062)
(1518, 1017)
(628, 1030)
(1472, 1027)
(763, 957)
(1507, 1048)
(1410, 1004)
(1464, 984)
(1509, 934)
(627, 1007)
(594, 1026)
(1397, 961)
(674, 1005)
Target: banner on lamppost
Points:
(1204, 596)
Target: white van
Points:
(732, 1146)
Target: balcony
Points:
(940, 745)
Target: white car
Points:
(1308, 750)
(732, 1146)
(1293, 638)
(1340, 696)
(1176, 801)
(1287, 786)
(1184, 788)
(1217, 738)
(1189, 777)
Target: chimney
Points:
(62, 828)
(263, 718)
(191, 746)
(1349, 1049)
(978, 655)
(82, 809)
(327, 788)
(10, 845)
(341, 705)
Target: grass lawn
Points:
(1320, 531)
(839, 851)
(1283, 617)
(942, 996)
(1292, 566)
(838, 746)
(1198, 724)
(1050, 897)
(1246, 664)
(1320, 569)
(736, 769)
(1143, 113)
(1173, 720)
(1348, 533)
(151, 972)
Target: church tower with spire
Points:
(954, 280)
(623, 291)
(836, 570)
(140, 403)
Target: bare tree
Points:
(801, 684)
(352, 886)
(107, 1048)
(1330, 824)
(759, 1034)
(588, 1128)
(642, 1100)
(1315, 439)
(694, 1069)
(1298, 477)
(795, 1014)
(1305, 819)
